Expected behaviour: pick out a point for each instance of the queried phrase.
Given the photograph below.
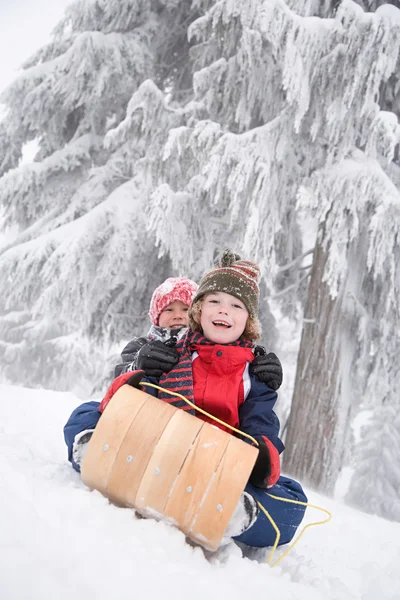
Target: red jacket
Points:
(221, 381)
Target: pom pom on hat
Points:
(173, 289)
(227, 259)
(234, 276)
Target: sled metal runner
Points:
(166, 463)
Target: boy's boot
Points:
(81, 443)
(244, 516)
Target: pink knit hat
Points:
(173, 288)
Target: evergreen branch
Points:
(290, 287)
(295, 261)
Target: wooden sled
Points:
(166, 463)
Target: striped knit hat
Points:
(233, 276)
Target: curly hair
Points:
(252, 331)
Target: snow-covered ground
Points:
(59, 540)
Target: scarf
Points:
(180, 378)
(165, 333)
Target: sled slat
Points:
(196, 476)
(167, 461)
(108, 436)
(223, 495)
(133, 457)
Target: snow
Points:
(59, 540)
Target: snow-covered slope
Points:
(59, 540)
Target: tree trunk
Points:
(317, 422)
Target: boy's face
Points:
(223, 317)
(174, 316)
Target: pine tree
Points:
(348, 352)
(78, 267)
(375, 485)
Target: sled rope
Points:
(264, 510)
(300, 534)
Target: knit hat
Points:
(173, 288)
(234, 276)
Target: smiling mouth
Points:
(221, 324)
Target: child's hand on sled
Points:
(262, 468)
(266, 470)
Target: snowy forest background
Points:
(167, 130)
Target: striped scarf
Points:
(180, 378)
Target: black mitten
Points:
(155, 358)
(267, 368)
(262, 468)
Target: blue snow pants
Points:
(286, 515)
(86, 416)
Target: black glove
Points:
(135, 379)
(262, 468)
(155, 358)
(267, 368)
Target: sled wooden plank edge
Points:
(194, 480)
(137, 448)
(218, 505)
(107, 438)
(167, 461)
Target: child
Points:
(169, 308)
(169, 316)
(213, 372)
